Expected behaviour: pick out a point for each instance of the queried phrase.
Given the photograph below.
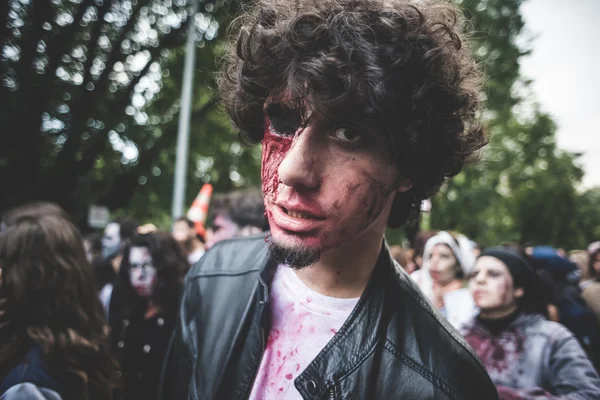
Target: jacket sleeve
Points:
(29, 391)
(570, 374)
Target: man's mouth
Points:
(297, 214)
(296, 219)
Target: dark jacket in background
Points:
(393, 345)
(139, 346)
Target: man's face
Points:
(324, 186)
(222, 228)
(142, 272)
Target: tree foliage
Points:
(525, 189)
(90, 92)
(83, 118)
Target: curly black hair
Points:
(398, 69)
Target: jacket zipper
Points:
(331, 393)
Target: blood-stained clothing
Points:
(303, 322)
(533, 358)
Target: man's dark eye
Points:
(283, 120)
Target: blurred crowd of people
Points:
(530, 313)
(96, 315)
(92, 317)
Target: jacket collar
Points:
(523, 321)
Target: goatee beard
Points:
(296, 258)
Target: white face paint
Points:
(112, 234)
(142, 273)
(111, 239)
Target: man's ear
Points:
(519, 292)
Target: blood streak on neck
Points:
(275, 147)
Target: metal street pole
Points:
(183, 133)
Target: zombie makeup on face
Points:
(492, 286)
(111, 240)
(323, 187)
(142, 272)
(442, 264)
(281, 125)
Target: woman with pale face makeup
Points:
(526, 355)
(447, 259)
(142, 317)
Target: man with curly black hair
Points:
(363, 109)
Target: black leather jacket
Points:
(393, 345)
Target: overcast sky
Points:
(565, 67)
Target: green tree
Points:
(524, 189)
(77, 79)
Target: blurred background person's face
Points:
(442, 264)
(142, 273)
(222, 228)
(492, 287)
(111, 240)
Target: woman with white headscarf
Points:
(447, 261)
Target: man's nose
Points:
(301, 167)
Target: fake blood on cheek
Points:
(275, 147)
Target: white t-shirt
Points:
(303, 322)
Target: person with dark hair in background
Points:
(236, 214)
(116, 237)
(184, 231)
(150, 282)
(526, 355)
(54, 341)
(363, 109)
